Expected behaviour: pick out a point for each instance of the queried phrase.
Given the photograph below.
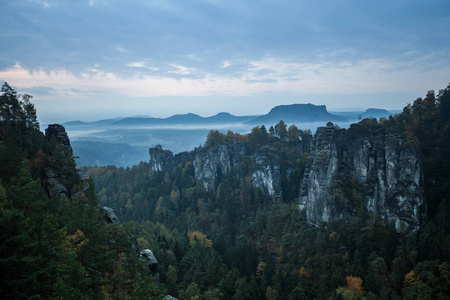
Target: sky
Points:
(94, 59)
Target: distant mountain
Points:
(294, 113)
(136, 121)
(181, 119)
(125, 141)
(104, 122)
(189, 118)
(74, 123)
(297, 113)
(225, 118)
(375, 113)
(369, 113)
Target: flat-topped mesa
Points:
(364, 165)
(298, 114)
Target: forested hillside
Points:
(239, 236)
(54, 240)
(229, 240)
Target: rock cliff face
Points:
(59, 132)
(267, 172)
(364, 165)
(149, 259)
(110, 216)
(211, 164)
(53, 184)
(160, 159)
(263, 167)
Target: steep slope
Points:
(364, 165)
(54, 242)
(264, 168)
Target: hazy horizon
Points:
(96, 117)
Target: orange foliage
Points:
(304, 272)
(409, 281)
(260, 269)
(199, 236)
(355, 284)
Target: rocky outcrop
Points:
(53, 185)
(161, 159)
(212, 164)
(150, 260)
(267, 172)
(364, 165)
(110, 216)
(263, 167)
(59, 132)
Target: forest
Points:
(231, 242)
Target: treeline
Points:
(260, 135)
(53, 246)
(235, 243)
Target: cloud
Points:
(40, 90)
(226, 64)
(267, 75)
(182, 70)
(141, 64)
(41, 2)
(119, 48)
(97, 2)
(136, 64)
(214, 37)
(267, 80)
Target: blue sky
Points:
(95, 59)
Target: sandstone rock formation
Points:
(110, 216)
(213, 163)
(150, 260)
(53, 183)
(59, 132)
(364, 165)
(161, 159)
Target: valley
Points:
(125, 141)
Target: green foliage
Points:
(251, 248)
(59, 247)
(281, 131)
(231, 243)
